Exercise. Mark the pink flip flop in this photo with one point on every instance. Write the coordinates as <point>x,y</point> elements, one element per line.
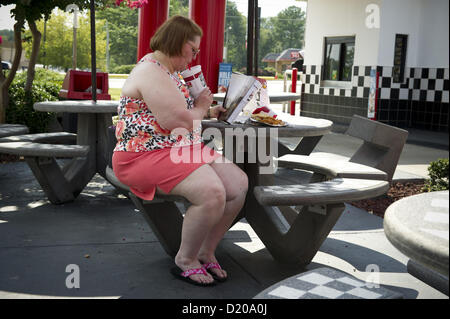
<point>185,275</point>
<point>209,266</point>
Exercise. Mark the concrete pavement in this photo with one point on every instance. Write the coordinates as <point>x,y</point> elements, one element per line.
<point>102,236</point>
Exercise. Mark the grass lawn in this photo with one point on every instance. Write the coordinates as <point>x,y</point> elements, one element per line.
<point>115,94</point>
<point>118,76</point>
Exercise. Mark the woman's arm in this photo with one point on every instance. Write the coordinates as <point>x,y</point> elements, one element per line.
<point>165,101</point>
<point>215,111</point>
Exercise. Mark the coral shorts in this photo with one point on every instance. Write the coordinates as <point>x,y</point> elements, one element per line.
<point>163,168</point>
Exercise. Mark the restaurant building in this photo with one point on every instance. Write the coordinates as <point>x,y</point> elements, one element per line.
<point>384,59</point>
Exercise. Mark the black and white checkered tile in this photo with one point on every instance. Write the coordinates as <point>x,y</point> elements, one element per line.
<point>334,185</point>
<point>360,82</point>
<point>420,84</point>
<point>326,283</point>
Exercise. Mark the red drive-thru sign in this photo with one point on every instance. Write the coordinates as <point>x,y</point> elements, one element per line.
<point>295,55</point>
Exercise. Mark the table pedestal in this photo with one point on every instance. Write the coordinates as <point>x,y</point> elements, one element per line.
<point>295,243</point>
<point>92,131</point>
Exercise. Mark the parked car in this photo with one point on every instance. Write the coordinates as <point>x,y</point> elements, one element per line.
<point>6,65</point>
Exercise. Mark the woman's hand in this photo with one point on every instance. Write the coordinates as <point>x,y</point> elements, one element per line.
<point>204,100</point>
<point>215,111</point>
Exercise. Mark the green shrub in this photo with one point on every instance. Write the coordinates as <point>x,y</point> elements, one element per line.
<point>46,86</point>
<point>43,75</point>
<point>270,70</point>
<point>122,69</point>
<point>438,173</point>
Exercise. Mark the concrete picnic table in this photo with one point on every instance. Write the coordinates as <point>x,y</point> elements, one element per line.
<point>307,131</point>
<point>93,120</point>
<point>322,202</point>
<point>300,135</point>
<point>418,226</point>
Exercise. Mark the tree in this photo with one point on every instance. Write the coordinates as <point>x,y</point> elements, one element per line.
<point>122,26</point>
<point>29,11</point>
<point>235,36</point>
<point>286,30</point>
<point>180,7</point>
<point>32,11</point>
<point>8,35</point>
<point>289,28</point>
<point>59,38</point>
<point>268,43</point>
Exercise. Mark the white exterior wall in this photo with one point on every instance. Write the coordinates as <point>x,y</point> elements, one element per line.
<point>399,16</point>
<point>426,24</point>
<point>327,18</point>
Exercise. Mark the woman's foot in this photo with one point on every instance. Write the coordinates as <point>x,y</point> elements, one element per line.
<point>214,267</point>
<point>186,264</point>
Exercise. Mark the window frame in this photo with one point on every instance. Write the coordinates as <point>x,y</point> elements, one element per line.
<point>342,41</point>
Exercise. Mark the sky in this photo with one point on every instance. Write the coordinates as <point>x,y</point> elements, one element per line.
<point>269,8</point>
<point>5,18</point>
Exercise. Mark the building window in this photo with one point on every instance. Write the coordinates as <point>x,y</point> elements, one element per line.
<point>338,58</point>
<point>398,72</point>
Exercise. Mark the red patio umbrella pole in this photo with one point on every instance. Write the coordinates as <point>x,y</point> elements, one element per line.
<point>151,16</point>
<point>210,16</point>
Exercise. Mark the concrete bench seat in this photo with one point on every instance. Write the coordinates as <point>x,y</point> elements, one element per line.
<point>293,235</point>
<point>381,150</point>
<point>62,183</point>
<point>164,214</point>
<point>338,190</point>
<point>31,149</point>
<point>12,129</point>
<point>112,178</point>
<point>52,138</point>
<point>329,167</point>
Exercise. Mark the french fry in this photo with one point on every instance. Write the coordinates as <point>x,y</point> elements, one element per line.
<point>268,120</point>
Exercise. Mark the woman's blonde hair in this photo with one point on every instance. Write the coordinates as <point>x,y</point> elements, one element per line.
<point>173,34</point>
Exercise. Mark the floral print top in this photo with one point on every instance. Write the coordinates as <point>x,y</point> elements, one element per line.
<point>137,129</point>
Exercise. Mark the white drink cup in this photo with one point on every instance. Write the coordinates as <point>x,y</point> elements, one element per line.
<point>195,80</point>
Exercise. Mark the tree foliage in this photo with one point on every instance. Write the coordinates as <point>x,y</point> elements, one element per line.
<point>180,7</point>
<point>288,28</point>
<point>235,35</point>
<point>30,11</point>
<point>123,31</point>
<point>284,31</point>
<point>438,172</point>
<point>57,48</point>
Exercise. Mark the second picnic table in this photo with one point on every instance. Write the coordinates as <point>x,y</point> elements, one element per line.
<point>93,120</point>
<point>418,227</point>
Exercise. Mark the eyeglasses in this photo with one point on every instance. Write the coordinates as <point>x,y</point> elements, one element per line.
<point>195,51</point>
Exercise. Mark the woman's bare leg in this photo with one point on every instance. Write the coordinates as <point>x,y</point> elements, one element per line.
<point>204,189</point>
<point>235,183</point>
